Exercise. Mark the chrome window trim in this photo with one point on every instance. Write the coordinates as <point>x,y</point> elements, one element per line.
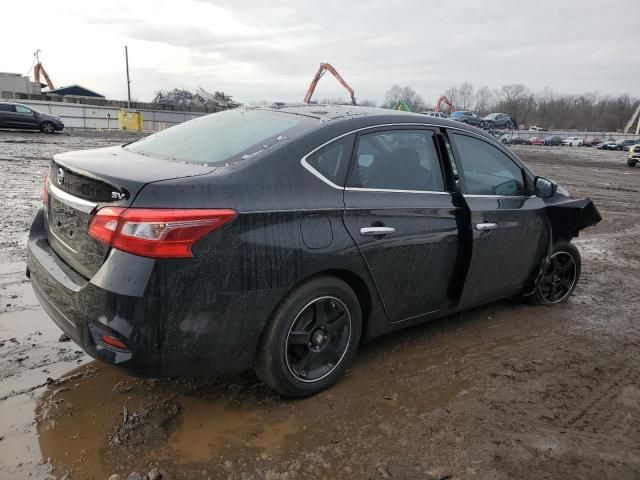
<point>472,195</point>
<point>391,190</point>
<point>78,203</point>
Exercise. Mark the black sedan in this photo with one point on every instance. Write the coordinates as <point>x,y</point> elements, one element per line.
<point>554,140</point>
<point>16,115</point>
<point>280,239</point>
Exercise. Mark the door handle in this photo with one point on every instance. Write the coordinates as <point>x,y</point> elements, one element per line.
<point>376,231</point>
<point>486,226</point>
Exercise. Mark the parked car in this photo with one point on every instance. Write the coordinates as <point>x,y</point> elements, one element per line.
<point>435,114</point>
<point>533,128</point>
<point>275,240</point>
<point>16,115</point>
<point>535,141</point>
<point>626,146</point>
<point>469,118</point>
<point>634,156</point>
<point>591,141</point>
<point>500,120</point>
<point>553,140</point>
<point>517,140</point>
<point>620,144</point>
<point>573,141</point>
<point>605,145</point>
<point>510,139</point>
<point>633,149</point>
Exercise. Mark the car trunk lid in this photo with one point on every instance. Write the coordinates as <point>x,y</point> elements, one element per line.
<point>84,181</point>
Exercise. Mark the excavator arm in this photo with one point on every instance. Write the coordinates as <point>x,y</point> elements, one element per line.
<point>38,68</point>
<point>324,67</point>
<point>36,73</point>
<point>445,99</point>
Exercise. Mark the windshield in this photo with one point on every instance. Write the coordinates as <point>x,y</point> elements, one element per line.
<point>214,139</point>
<point>493,115</point>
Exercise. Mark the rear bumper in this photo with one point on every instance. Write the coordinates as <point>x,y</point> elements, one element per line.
<point>168,313</point>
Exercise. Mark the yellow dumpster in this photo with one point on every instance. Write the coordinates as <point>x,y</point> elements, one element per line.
<point>130,120</point>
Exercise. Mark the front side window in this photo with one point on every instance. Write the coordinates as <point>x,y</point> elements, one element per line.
<point>487,170</point>
<point>397,160</point>
<point>332,161</point>
<point>21,109</point>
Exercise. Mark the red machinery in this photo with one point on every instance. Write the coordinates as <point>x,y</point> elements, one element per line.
<point>321,71</point>
<point>39,68</point>
<point>444,99</point>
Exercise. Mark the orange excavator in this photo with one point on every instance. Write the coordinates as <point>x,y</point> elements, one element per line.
<point>445,99</point>
<point>324,67</point>
<point>38,69</point>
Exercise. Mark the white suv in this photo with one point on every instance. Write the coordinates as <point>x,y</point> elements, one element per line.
<point>573,141</point>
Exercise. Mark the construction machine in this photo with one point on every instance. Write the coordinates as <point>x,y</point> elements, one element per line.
<point>38,69</point>
<point>324,67</point>
<point>632,120</point>
<point>446,100</point>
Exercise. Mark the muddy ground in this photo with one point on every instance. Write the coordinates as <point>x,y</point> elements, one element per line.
<point>503,391</point>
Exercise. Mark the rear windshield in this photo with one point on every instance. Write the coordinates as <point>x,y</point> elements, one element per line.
<point>215,139</point>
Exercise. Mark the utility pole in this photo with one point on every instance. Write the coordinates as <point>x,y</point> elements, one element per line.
<point>126,56</point>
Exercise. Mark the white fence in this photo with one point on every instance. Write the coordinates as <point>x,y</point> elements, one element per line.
<point>94,117</point>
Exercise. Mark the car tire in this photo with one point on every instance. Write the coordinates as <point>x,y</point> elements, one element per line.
<point>310,338</point>
<point>560,277</point>
<point>509,126</point>
<point>47,127</point>
<point>631,162</point>
<point>482,124</point>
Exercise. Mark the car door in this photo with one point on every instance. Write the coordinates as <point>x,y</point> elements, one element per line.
<point>404,221</point>
<point>8,115</point>
<point>510,231</point>
<point>25,117</point>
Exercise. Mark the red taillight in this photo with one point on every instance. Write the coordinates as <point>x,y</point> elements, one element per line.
<point>45,190</point>
<point>114,342</point>
<point>156,233</point>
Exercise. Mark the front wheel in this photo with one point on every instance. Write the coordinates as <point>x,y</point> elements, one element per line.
<point>631,162</point>
<point>47,127</point>
<point>311,338</point>
<point>560,276</point>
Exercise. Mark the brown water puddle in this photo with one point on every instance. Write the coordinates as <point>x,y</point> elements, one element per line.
<point>221,423</point>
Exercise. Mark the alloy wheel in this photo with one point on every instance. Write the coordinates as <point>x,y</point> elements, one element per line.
<point>318,339</point>
<point>559,278</point>
<point>48,127</point>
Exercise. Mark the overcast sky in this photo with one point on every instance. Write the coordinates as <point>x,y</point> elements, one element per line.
<point>270,49</point>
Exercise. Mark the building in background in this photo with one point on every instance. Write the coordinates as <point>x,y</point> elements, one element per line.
<point>18,83</point>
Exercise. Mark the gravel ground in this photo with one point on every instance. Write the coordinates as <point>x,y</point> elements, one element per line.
<point>502,391</point>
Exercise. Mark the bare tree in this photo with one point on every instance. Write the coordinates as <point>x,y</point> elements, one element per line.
<point>483,100</point>
<point>367,103</point>
<point>397,94</point>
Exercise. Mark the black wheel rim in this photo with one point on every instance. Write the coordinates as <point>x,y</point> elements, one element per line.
<point>559,277</point>
<point>318,339</point>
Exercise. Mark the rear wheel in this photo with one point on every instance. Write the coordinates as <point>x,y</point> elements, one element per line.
<point>560,277</point>
<point>310,338</point>
<point>47,127</point>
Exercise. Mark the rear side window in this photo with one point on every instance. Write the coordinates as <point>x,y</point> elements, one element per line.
<point>219,137</point>
<point>397,160</point>
<point>332,161</point>
<point>7,108</point>
<point>487,170</point>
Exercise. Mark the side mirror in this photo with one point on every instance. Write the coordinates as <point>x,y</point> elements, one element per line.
<point>544,187</point>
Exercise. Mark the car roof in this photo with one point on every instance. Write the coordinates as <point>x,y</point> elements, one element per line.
<point>368,116</point>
